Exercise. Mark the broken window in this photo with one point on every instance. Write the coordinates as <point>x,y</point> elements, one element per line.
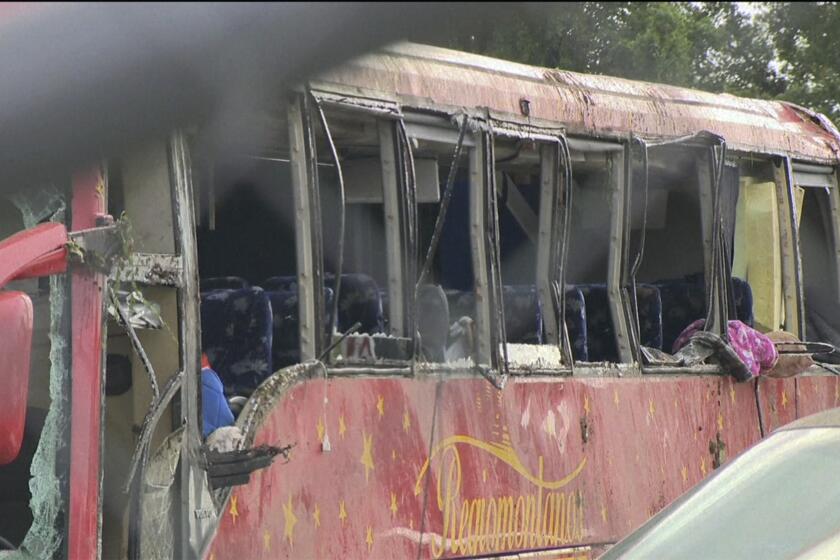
<point>531,205</point>
<point>816,197</point>
<point>672,223</point>
<point>367,182</point>
<point>593,305</point>
<point>446,301</point>
<point>247,263</point>
<point>143,337</point>
<point>33,489</point>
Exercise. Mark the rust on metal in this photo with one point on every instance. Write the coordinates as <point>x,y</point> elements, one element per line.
<point>431,77</point>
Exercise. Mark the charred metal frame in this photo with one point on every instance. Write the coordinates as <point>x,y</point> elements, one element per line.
<point>549,193</point>
<point>478,165</point>
<point>621,280</point>
<point>153,269</point>
<point>493,247</point>
<point>718,319</point>
<point>399,203</point>
<point>406,202</point>
<point>627,290</point>
<point>342,220</point>
<point>193,478</point>
<point>393,232</point>
<point>307,236</point>
<point>834,202</point>
<point>631,267</point>
<point>792,288</point>
<point>619,232</point>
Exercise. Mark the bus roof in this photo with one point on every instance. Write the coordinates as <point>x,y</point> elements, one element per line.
<point>433,78</point>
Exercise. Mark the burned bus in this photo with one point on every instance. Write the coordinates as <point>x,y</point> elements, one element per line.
<point>442,295</point>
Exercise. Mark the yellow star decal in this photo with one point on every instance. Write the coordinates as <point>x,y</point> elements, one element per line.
<point>367,454</point>
<point>732,392</point>
<point>651,407</point>
<point>684,473</point>
<point>380,406</point>
<point>784,399</point>
<point>586,403</point>
<point>234,510</point>
<point>393,504</point>
<point>342,511</point>
<point>291,520</point>
<point>316,516</point>
<point>720,421</point>
<point>369,538</point>
<point>615,397</point>
<point>321,429</point>
<point>266,540</point>
<point>703,466</point>
<point>406,421</point>
<point>342,427</point>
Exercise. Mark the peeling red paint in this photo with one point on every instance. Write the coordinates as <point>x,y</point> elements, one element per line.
<point>370,495</point>
<point>86,397</point>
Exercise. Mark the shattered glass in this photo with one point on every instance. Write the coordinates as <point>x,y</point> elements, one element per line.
<point>159,499</point>
<point>45,536</point>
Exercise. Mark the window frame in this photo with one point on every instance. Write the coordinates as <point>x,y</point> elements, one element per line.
<point>710,152</point>
<point>831,185</point>
<point>792,286</point>
<point>399,213</point>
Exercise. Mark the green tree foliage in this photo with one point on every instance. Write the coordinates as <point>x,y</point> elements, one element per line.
<point>711,46</point>
<point>807,41</point>
<point>779,50</point>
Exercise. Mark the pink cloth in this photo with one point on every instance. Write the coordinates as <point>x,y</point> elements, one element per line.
<point>756,350</point>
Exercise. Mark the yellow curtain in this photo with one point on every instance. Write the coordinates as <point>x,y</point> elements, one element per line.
<point>757,257</point>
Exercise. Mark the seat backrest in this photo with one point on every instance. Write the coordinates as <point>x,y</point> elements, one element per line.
<point>575,316</point>
<point>600,332</point>
<point>600,341</point>
<point>684,301</point>
<point>280,284</point>
<point>223,283</point>
<point>523,315</point>
<point>236,335</point>
<point>359,301</point>
<point>649,302</point>
<point>742,294</point>
<point>285,348</point>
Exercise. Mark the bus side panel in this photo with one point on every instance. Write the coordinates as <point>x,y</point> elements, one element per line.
<point>547,463</point>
